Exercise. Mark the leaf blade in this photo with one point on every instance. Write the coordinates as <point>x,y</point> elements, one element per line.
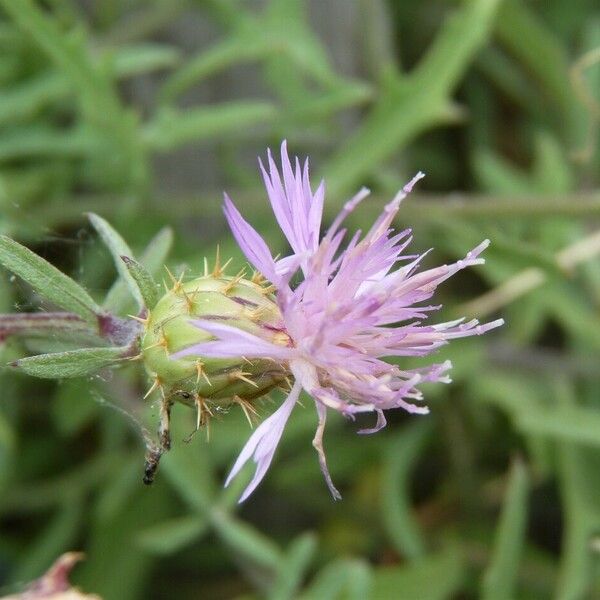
<point>72,363</point>
<point>47,280</point>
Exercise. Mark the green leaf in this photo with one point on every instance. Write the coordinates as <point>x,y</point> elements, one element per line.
<point>57,537</point>
<point>153,258</point>
<point>118,248</point>
<point>235,50</point>
<point>436,577</point>
<point>47,280</point>
<point>69,412</point>
<point>352,577</point>
<point>73,363</point>
<point>395,497</point>
<point>171,128</point>
<point>500,577</point>
<point>410,105</point>
<point>570,424</point>
<point>246,541</point>
<point>292,567</point>
<point>145,282</point>
<point>171,536</point>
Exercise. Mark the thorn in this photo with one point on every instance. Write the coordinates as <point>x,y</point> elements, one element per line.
<point>189,299</point>
<point>136,357</point>
<point>205,267</point>
<point>243,377</point>
<point>216,272</point>
<point>157,384</point>
<point>201,372</point>
<point>257,278</point>
<point>247,408</point>
<point>203,415</point>
<point>162,343</point>
<point>140,319</point>
<point>257,313</point>
<point>233,282</point>
<point>219,269</point>
<point>176,282</point>
<point>268,290</point>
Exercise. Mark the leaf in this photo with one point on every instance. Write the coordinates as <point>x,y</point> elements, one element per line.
<point>235,50</point>
<point>436,577</point>
<point>396,512</point>
<point>58,535</point>
<point>246,541</point>
<point>292,568</point>
<point>345,575</point>
<point>172,128</point>
<point>48,281</point>
<point>153,258</point>
<point>145,282</point>
<point>73,363</point>
<point>171,536</point>
<point>500,577</point>
<point>410,105</point>
<point>70,413</point>
<point>118,248</point>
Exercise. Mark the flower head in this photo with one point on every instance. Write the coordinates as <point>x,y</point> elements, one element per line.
<point>353,307</point>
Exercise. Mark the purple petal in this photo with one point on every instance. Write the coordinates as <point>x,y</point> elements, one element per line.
<point>233,342</point>
<point>318,446</point>
<point>381,423</point>
<point>250,242</point>
<point>263,442</point>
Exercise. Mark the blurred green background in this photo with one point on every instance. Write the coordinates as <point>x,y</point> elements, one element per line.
<point>144,111</point>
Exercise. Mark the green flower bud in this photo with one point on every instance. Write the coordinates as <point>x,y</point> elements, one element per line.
<point>236,301</point>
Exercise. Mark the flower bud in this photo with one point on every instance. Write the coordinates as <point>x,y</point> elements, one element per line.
<point>170,328</point>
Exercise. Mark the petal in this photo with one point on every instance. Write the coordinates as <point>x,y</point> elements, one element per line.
<point>381,423</point>
<point>250,242</point>
<point>233,342</point>
<point>318,446</point>
<point>298,211</point>
<point>263,442</point>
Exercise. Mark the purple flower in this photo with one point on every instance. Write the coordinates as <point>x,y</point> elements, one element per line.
<point>353,307</point>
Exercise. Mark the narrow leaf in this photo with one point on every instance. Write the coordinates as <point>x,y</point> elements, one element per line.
<point>152,258</point>
<point>500,578</point>
<point>435,577</point>
<point>145,282</point>
<point>245,541</point>
<point>47,280</point>
<point>118,248</point>
<point>293,567</point>
<point>351,577</point>
<point>73,363</point>
<point>397,513</point>
<point>171,128</point>
<point>171,536</point>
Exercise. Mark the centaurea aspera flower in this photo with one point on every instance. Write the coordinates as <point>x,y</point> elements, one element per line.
<point>351,309</point>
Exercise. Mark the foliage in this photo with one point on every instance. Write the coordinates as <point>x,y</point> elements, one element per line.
<point>493,495</point>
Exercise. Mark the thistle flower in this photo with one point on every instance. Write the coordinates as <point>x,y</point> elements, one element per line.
<point>352,308</point>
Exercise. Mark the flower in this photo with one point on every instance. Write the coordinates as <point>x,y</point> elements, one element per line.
<point>351,309</point>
